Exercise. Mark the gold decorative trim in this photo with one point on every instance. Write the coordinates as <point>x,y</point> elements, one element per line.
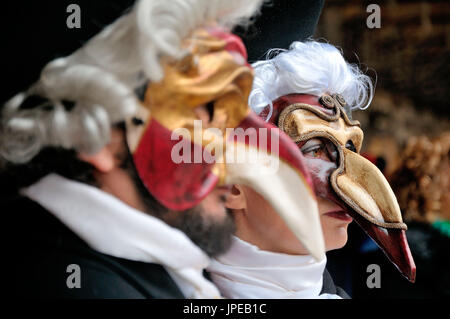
<point>308,107</point>
<point>327,101</point>
<point>340,99</point>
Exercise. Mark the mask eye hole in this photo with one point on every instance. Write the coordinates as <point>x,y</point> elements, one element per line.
<point>350,146</point>
<point>318,148</point>
<point>313,148</point>
<point>205,112</point>
<point>210,109</point>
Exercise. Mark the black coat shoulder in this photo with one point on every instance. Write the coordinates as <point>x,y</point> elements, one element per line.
<point>330,288</point>
<point>43,252</point>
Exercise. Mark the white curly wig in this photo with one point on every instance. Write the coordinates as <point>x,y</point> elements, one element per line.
<point>309,67</point>
<point>79,97</point>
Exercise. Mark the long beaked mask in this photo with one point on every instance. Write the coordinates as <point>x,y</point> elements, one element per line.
<point>347,178</point>
<point>215,75</point>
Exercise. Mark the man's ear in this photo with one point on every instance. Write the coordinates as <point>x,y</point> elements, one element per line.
<point>107,158</point>
<point>103,160</point>
<point>236,199</point>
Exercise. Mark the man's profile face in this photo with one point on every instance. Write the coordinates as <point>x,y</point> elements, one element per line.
<point>209,224</point>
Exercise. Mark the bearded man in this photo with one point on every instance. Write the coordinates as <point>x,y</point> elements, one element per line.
<point>103,207</point>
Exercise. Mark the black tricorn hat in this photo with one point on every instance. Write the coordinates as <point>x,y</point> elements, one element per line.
<point>280,23</point>
<point>36,32</point>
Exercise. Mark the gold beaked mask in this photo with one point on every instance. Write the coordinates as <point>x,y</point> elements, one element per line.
<point>347,178</point>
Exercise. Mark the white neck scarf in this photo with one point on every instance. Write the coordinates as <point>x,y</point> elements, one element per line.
<point>111,227</point>
<point>245,271</point>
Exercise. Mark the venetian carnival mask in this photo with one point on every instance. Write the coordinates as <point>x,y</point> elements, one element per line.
<point>344,176</point>
<point>180,159</point>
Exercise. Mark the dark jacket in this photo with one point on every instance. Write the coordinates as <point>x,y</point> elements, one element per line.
<point>330,288</point>
<point>44,248</point>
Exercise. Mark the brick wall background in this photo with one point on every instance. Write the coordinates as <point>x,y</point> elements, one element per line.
<point>410,57</point>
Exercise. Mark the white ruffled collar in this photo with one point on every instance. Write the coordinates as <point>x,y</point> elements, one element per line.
<point>245,271</point>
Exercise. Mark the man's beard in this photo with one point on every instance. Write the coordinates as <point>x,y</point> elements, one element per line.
<point>213,236</point>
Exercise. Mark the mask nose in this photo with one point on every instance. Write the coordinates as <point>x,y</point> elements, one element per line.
<point>362,186</point>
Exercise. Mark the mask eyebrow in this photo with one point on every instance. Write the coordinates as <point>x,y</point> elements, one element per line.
<point>309,144</point>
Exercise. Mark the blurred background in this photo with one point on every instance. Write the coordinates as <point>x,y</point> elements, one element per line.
<point>407,135</point>
<point>407,127</point>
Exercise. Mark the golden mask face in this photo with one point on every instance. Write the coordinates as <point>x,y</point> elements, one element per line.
<point>332,141</point>
<point>357,181</point>
<point>210,74</point>
<point>212,78</point>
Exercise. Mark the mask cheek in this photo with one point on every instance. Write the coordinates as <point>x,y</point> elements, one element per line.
<point>177,183</point>
<point>320,171</point>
